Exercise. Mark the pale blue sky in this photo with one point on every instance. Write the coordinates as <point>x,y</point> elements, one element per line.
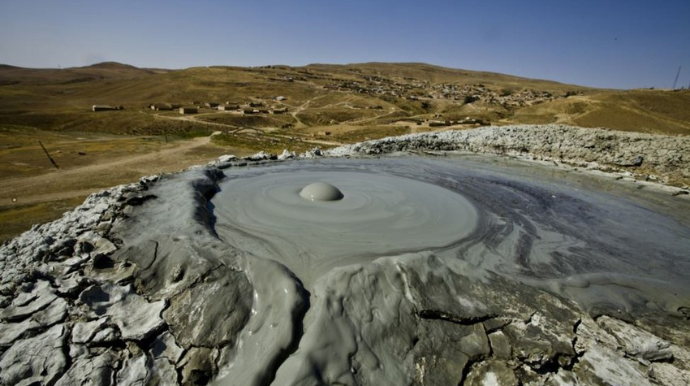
<point>602,43</point>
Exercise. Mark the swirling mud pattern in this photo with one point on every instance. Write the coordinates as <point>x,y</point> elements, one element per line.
<point>601,249</point>
<point>392,242</point>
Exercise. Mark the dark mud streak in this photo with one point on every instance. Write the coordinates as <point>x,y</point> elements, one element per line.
<point>450,317</point>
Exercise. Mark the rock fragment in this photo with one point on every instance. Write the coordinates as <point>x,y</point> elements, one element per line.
<point>91,371</point>
<point>491,372</point>
<point>10,332</point>
<point>136,371</point>
<point>165,347</point>
<point>198,366</point>
<point>602,366</point>
<point>637,343</point>
<point>500,345</point>
<point>193,318</point>
<point>56,312</point>
<point>164,372</point>
<point>39,296</point>
<point>83,332</point>
<point>41,357</point>
<point>136,318</point>
<point>105,336</point>
<point>95,245</point>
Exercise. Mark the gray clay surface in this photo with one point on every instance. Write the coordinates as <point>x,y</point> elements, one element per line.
<point>428,270</point>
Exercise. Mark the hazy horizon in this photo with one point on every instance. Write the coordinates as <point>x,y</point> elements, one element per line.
<point>624,45</point>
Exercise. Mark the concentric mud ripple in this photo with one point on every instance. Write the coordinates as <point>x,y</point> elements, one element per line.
<point>601,250</point>
<point>379,214</point>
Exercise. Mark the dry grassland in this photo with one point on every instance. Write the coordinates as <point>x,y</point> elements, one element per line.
<point>327,105</point>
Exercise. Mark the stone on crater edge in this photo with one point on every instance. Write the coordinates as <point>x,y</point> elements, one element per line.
<point>135,372</point>
<point>198,366</point>
<point>132,313</point>
<point>41,355</point>
<point>95,245</point>
<point>90,371</point>
<point>41,295</point>
<point>194,314</point>
<point>107,335</point>
<point>491,372</point>
<point>55,313</point>
<point>635,342</point>
<point>83,332</point>
<point>10,332</point>
<point>165,347</point>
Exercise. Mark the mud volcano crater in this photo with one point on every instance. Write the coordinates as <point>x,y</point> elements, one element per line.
<point>275,215</point>
<point>500,219</point>
<point>394,270</point>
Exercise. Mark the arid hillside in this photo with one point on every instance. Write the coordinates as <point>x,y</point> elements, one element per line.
<point>139,129</point>
<point>351,98</point>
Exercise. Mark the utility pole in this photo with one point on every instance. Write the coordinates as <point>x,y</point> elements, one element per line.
<point>675,82</point>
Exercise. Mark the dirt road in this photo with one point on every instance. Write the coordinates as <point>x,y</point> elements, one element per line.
<point>81,181</point>
<point>28,200</point>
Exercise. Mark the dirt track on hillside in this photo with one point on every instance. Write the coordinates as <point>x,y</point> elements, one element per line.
<point>81,181</point>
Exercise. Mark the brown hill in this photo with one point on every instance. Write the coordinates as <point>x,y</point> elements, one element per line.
<point>320,95</point>
<point>437,74</point>
<point>650,111</point>
<point>269,108</point>
<point>10,75</point>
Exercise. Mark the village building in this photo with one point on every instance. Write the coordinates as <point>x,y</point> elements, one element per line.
<point>105,108</point>
<point>162,107</point>
<point>188,110</point>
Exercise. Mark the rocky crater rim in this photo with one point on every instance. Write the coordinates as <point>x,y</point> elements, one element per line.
<point>649,157</point>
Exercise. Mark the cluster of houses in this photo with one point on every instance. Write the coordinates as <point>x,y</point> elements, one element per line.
<point>374,85</point>
<point>172,107</point>
<point>465,121</point>
<point>415,90</point>
<point>479,92</point>
<point>248,108</point>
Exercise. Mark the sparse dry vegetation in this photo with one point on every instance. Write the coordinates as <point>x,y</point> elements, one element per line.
<point>326,105</point>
